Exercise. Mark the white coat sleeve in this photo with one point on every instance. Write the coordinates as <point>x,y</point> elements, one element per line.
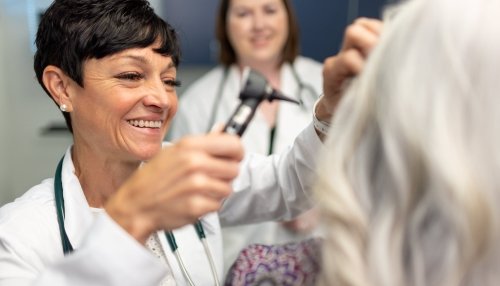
<point>276,187</point>
<point>107,256</point>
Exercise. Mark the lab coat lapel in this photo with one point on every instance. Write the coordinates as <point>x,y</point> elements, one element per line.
<point>290,115</point>
<point>78,217</point>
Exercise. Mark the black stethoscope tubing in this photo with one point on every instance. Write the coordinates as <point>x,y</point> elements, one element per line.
<point>60,211</point>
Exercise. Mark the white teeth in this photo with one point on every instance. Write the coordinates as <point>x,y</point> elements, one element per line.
<point>145,123</point>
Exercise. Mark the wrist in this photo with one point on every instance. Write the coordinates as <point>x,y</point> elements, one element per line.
<point>321,125</point>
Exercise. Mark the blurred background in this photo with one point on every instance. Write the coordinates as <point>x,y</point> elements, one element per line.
<point>32,133</point>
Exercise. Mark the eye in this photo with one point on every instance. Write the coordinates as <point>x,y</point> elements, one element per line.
<point>172,82</point>
<point>241,12</point>
<point>271,10</point>
<point>132,76</point>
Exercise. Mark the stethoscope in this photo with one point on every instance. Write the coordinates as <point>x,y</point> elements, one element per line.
<point>255,90</point>
<point>68,248</point>
<point>303,88</point>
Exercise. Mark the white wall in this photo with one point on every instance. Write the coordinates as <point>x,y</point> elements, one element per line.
<point>28,157</point>
<point>157,5</point>
<point>3,108</point>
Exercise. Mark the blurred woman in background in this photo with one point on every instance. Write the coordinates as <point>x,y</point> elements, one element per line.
<point>262,35</point>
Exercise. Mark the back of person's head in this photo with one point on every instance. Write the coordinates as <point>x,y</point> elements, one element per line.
<point>72,31</point>
<point>409,182</point>
<point>227,54</point>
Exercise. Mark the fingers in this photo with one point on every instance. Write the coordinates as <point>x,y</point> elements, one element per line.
<point>337,68</point>
<point>359,40</point>
<point>217,128</point>
<point>216,155</point>
<point>337,72</point>
<point>216,144</point>
<point>183,201</point>
<point>374,25</point>
<point>362,35</point>
<point>185,181</point>
<point>201,185</point>
<point>188,200</point>
<point>199,162</point>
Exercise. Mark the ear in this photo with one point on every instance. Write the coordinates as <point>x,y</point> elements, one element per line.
<point>57,83</point>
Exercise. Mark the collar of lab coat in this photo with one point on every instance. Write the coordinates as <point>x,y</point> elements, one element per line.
<point>78,216</point>
<point>290,85</point>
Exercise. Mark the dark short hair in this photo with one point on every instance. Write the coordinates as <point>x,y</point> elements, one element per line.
<point>72,31</point>
<point>227,54</point>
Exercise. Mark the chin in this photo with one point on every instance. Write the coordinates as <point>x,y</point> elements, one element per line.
<point>264,58</point>
<point>146,154</point>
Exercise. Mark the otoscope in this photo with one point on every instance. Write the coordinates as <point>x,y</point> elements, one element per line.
<point>255,90</point>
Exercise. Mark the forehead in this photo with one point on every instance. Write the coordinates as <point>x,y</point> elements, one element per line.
<point>147,55</point>
<point>144,59</point>
<point>254,3</point>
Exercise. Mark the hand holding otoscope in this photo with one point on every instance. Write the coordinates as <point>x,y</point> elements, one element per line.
<point>255,90</point>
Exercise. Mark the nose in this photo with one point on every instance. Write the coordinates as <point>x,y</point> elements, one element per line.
<point>158,97</point>
<point>258,21</point>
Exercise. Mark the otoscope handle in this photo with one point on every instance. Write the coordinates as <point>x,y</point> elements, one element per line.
<point>255,90</point>
<point>243,114</point>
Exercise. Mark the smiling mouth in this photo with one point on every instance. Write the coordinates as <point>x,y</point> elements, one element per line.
<point>145,123</point>
<point>258,39</point>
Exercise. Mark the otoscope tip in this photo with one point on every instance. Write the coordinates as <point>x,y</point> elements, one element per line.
<point>278,96</point>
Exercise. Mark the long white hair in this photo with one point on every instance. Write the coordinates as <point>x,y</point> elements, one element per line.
<point>409,185</point>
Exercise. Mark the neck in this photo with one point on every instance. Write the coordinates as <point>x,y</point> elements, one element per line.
<point>271,71</point>
<point>99,175</point>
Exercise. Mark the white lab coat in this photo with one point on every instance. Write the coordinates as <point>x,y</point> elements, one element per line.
<point>197,106</point>
<point>30,245</point>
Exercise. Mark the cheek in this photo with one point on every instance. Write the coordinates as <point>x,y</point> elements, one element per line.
<point>239,43</point>
<point>174,105</point>
<point>284,38</point>
<point>172,111</point>
<point>236,30</point>
<point>282,25</point>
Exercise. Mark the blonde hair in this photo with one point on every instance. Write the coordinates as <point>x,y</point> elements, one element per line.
<point>409,183</point>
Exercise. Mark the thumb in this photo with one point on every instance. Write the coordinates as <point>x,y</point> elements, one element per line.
<point>217,128</point>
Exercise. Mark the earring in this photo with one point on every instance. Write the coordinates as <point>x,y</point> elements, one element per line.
<point>63,107</point>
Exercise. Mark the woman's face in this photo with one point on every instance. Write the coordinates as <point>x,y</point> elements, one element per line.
<point>126,104</point>
<point>257,30</point>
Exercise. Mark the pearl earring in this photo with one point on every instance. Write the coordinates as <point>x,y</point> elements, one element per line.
<point>63,107</point>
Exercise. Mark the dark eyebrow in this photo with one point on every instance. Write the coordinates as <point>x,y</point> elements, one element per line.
<point>170,65</point>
